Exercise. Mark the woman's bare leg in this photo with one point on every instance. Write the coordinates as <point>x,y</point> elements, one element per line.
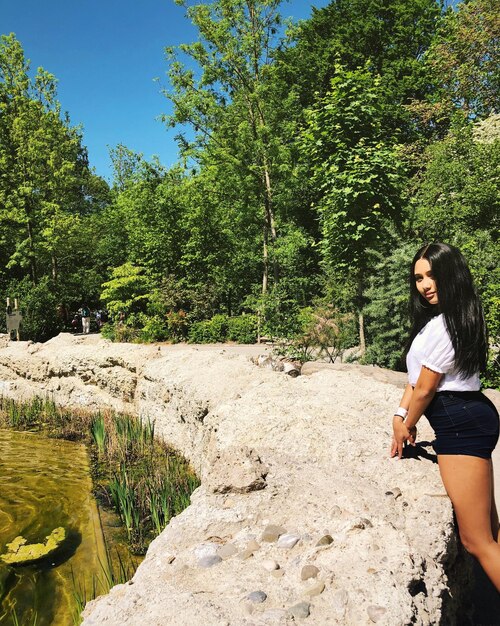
<point>468,482</point>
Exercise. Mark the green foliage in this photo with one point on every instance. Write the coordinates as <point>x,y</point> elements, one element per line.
<point>458,191</point>
<point>464,57</point>
<point>209,331</point>
<point>242,329</point>
<point>177,325</point>
<point>388,37</point>
<point>324,334</point>
<point>154,329</point>
<point>387,313</point>
<point>39,305</point>
<point>127,291</point>
<point>46,185</point>
<point>357,172</point>
<point>221,328</point>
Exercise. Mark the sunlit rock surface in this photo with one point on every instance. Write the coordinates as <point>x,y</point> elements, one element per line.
<point>295,474</point>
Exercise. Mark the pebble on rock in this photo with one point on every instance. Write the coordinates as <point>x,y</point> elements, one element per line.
<point>278,573</point>
<point>288,541</point>
<point>227,551</point>
<point>209,561</point>
<point>326,540</point>
<point>316,590</point>
<point>257,597</point>
<point>245,554</point>
<point>253,545</point>
<point>375,613</point>
<point>309,571</point>
<point>300,610</point>
<point>272,532</point>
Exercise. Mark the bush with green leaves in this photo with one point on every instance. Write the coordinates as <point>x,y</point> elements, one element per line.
<point>154,329</point>
<point>242,329</point>
<point>127,291</point>
<point>325,332</point>
<point>177,325</point>
<point>209,331</point>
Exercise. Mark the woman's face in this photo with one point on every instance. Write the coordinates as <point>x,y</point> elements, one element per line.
<point>424,281</point>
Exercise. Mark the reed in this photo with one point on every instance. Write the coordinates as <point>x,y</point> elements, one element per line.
<point>123,500</point>
<point>98,430</point>
<point>33,621</point>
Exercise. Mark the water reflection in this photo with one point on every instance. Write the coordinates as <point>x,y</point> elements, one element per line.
<point>45,483</point>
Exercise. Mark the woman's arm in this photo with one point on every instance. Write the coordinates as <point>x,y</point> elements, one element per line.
<point>418,400</point>
<point>424,391</point>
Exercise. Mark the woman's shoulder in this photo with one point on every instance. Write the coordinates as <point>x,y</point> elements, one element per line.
<point>436,323</point>
<point>436,326</point>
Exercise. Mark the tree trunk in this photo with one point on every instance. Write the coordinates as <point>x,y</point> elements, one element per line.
<point>362,339</point>
<point>271,225</point>
<point>33,272</point>
<point>54,268</point>
<point>265,258</point>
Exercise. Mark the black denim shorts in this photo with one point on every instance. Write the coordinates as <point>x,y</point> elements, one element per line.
<point>464,422</point>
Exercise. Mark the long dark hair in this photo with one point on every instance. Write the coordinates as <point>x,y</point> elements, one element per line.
<point>458,302</point>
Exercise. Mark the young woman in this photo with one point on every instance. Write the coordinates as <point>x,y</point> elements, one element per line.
<point>447,351</point>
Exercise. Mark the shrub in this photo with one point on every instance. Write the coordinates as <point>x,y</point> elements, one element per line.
<point>177,325</point>
<point>325,334</point>
<point>154,329</point>
<point>209,331</point>
<point>242,329</point>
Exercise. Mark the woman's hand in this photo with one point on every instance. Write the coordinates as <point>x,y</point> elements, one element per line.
<point>401,434</point>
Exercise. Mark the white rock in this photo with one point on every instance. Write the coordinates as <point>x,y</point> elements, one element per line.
<point>288,540</point>
<point>270,565</point>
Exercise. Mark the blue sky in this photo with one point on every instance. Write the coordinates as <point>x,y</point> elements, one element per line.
<point>105,55</point>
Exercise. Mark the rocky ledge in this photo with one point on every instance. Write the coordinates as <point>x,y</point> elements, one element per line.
<point>301,514</point>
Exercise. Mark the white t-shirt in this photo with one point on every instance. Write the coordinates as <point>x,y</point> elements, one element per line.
<point>432,347</point>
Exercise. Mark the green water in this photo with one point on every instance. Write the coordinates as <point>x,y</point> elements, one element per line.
<point>45,483</point>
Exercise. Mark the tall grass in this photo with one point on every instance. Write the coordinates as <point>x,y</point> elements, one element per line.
<point>15,620</point>
<point>98,430</point>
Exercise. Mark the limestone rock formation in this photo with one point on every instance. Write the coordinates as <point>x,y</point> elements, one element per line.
<point>296,481</point>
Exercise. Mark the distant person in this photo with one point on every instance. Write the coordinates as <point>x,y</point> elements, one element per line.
<point>448,349</point>
<point>75,323</point>
<point>85,319</point>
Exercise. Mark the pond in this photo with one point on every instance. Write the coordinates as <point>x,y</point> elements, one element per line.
<point>45,484</point>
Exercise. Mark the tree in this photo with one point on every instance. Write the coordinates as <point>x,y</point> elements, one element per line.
<point>44,168</point>
<point>357,173</point>
<point>388,37</point>
<point>226,100</point>
<point>464,57</point>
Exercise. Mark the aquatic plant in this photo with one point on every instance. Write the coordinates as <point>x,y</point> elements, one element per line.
<point>123,499</point>
<point>15,620</point>
<point>98,430</point>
